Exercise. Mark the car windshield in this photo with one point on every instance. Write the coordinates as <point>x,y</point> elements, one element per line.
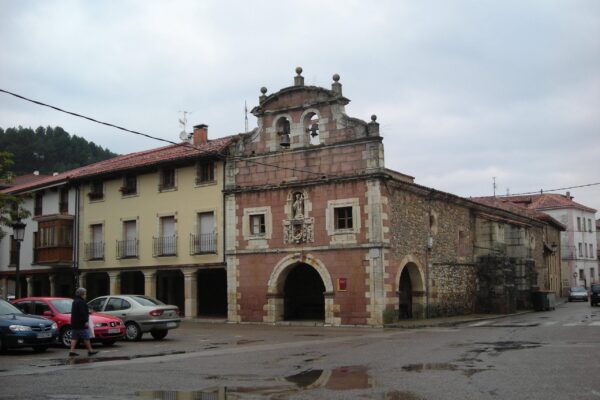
<point>577,289</point>
<point>7,308</point>
<point>63,306</point>
<point>147,301</point>
<point>596,288</point>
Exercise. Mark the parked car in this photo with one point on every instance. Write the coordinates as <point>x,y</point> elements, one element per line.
<point>578,294</point>
<point>21,330</point>
<point>595,294</point>
<point>141,314</point>
<point>107,328</point>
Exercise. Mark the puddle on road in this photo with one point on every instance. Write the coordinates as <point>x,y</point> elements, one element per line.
<point>468,370</point>
<point>337,379</point>
<point>509,345</point>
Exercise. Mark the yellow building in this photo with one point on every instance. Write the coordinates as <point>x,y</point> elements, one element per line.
<point>151,223</point>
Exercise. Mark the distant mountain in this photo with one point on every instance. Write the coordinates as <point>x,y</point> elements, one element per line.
<point>48,150</point>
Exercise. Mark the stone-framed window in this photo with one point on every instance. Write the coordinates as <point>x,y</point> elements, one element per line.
<point>167,179</point>
<point>343,219</point>
<point>257,223</point>
<point>205,172</point>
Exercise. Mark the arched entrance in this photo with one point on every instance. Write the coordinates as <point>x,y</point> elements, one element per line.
<point>303,294</point>
<point>411,291</point>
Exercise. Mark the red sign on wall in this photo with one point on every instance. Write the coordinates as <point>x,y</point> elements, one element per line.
<point>342,284</point>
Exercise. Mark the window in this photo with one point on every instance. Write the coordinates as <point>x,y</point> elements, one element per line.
<point>205,240</point>
<point>581,274</point>
<point>580,250</point>
<point>38,204</point>
<point>116,304</point>
<point>63,204</point>
<point>129,185</point>
<point>589,225</point>
<point>40,307</point>
<point>579,224</point>
<point>96,190</point>
<point>95,249</point>
<point>586,250</point>
<point>25,306</point>
<point>592,273</point>
<point>205,172</point>
<point>591,251</point>
<point>167,179</point>
<point>97,304</point>
<point>128,247</point>
<point>166,243</point>
<point>14,254</point>
<point>257,225</point>
<point>343,218</point>
<point>462,243</point>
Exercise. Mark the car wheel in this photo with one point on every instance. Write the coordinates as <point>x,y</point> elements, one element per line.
<point>108,342</point>
<point>133,331</point>
<point>40,349</point>
<point>65,336</point>
<point>159,335</point>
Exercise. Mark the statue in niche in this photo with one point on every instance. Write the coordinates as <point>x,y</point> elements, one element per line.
<point>298,206</point>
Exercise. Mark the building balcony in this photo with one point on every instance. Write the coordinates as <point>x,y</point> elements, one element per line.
<point>94,251</point>
<point>203,243</point>
<point>127,248</point>
<point>164,246</point>
<point>54,254</point>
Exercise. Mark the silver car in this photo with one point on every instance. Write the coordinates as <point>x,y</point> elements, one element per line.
<point>141,314</point>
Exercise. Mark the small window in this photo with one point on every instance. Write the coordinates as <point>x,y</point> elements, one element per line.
<point>580,250</point>
<point>589,225</point>
<point>167,179</point>
<point>592,273</point>
<point>129,185</point>
<point>343,218</point>
<point>205,172</point>
<point>64,201</point>
<point>96,190</point>
<point>591,251</point>
<point>38,203</point>
<point>257,225</point>
<point>97,304</point>
<point>579,224</point>
<point>581,274</point>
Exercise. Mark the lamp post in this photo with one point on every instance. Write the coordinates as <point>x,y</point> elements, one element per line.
<point>18,234</point>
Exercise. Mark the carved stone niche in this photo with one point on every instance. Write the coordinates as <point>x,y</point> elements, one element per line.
<point>298,226</point>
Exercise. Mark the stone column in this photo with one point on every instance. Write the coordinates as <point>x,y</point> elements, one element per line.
<point>191,292</point>
<point>4,288</point>
<point>29,280</point>
<point>115,282</point>
<point>52,280</point>
<point>150,282</point>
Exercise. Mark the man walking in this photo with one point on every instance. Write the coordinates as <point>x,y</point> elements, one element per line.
<point>80,329</point>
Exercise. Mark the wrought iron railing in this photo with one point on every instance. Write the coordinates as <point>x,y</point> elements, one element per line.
<point>127,248</point>
<point>94,251</point>
<point>203,243</point>
<point>164,246</point>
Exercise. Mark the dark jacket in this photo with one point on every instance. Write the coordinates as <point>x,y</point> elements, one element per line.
<point>80,314</point>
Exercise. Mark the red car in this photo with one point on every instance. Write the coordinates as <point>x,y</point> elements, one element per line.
<point>107,329</point>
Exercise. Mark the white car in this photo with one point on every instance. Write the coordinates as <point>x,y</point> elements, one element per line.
<point>578,294</point>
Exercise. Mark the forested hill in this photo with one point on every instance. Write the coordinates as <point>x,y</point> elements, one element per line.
<point>48,150</point>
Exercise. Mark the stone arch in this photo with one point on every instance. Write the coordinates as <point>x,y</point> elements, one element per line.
<point>418,288</point>
<point>275,287</point>
<point>305,120</point>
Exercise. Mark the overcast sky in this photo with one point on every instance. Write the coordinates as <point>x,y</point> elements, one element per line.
<point>464,90</point>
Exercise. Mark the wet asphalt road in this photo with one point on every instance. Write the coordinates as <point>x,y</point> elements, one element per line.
<point>548,355</point>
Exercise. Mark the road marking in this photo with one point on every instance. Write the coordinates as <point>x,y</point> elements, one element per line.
<point>481,323</point>
<point>550,323</point>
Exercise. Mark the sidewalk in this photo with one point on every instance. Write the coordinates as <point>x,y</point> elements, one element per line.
<point>450,321</point>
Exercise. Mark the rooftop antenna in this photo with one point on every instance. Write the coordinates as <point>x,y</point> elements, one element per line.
<point>183,135</point>
<point>494,185</point>
<point>245,116</point>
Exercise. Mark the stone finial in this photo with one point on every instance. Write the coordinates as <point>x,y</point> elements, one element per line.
<point>263,96</point>
<point>299,79</point>
<point>336,86</point>
<point>373,126</point>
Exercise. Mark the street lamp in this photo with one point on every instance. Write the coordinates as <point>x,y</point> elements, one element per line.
<point>18,234</point>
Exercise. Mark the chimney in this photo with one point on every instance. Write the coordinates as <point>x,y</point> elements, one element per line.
<point>569,195</point>
<point>200,135</point>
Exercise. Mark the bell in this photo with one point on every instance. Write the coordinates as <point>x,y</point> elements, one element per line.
<point>314,130</point>
<point>285,140</point>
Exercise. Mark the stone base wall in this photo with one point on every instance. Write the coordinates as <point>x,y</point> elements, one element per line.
<point>453,290</point>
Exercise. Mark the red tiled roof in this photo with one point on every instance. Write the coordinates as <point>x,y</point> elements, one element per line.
<point>547,201</point>
<point>130,161</point>
<point>517,208</point>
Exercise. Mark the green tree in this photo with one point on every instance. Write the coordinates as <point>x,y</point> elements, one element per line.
<point>10,209</point>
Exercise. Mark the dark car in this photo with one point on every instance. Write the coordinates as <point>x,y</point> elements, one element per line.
<point>595,294</point>
<point>578,294</point>
<point>23,330</point>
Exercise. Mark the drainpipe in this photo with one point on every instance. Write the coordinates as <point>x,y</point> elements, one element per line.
<point>427,250</point>
<point>76,239</point>
<point>223,216</point>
